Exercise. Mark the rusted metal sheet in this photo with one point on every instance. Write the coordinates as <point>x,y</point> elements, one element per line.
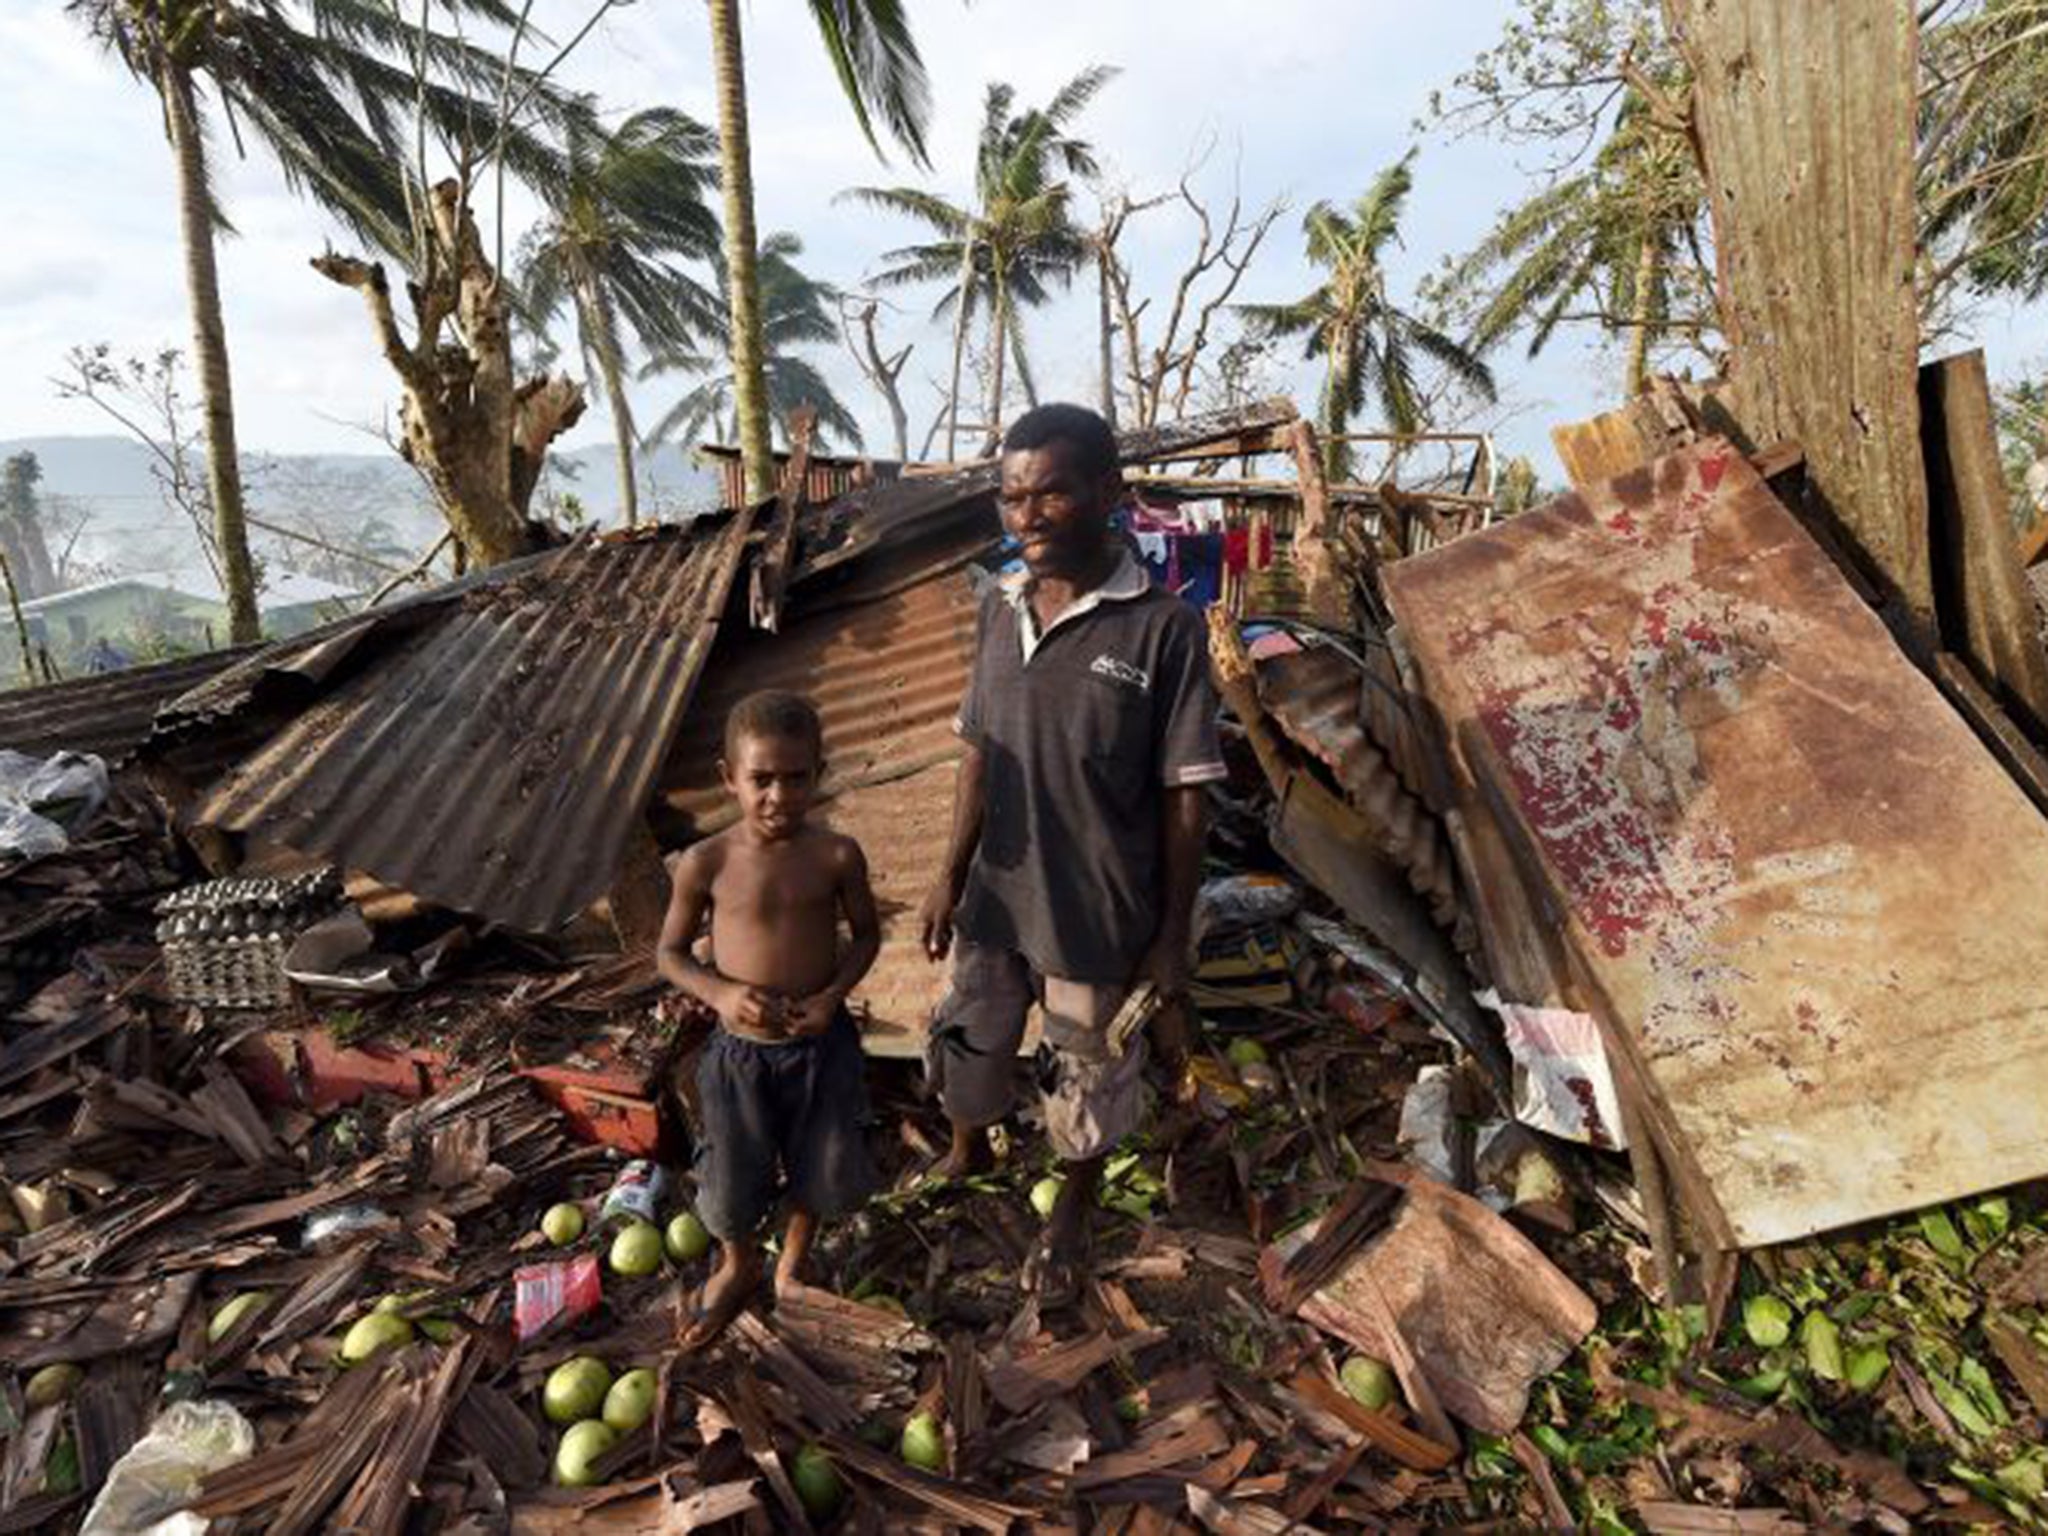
<point>497,761</point>
<point>110,714</point>
<point>903,826</point>
<point>1746,806</point>
<point>886,676</point>
<point>1805,116</point>
<point>1316,696</point>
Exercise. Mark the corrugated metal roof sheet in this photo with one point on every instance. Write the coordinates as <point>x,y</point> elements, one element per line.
<point>886,676</point>
<point>498,762</point>
<point>109,714</point>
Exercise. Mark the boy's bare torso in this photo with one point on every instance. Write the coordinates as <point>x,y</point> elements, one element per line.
<point>775,907</point>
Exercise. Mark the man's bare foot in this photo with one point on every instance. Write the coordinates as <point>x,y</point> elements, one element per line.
<point>1057,1271</point>
<point>726,1295</point>
<point>970,1154</point>
<point>796,1249</point>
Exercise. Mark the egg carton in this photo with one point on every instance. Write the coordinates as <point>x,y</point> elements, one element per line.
<point>225,941</point>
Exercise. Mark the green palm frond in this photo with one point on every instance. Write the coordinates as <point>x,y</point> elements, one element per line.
<point>876,59</point>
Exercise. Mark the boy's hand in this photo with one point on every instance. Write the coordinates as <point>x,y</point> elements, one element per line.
<point>814,1014</point>
<point>752,1010</point>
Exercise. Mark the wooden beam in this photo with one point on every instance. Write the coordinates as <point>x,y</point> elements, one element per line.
<point>1986,611</point>
<point>771,568</point>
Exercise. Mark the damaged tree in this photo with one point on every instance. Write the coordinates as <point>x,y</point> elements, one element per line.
<point>476,432</point>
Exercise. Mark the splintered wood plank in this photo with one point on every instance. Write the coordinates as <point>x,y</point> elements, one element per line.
<point>1751,812</point>
<point>1023,1383</point>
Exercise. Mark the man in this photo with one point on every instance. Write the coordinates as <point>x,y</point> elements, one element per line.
<point>1090,726</point>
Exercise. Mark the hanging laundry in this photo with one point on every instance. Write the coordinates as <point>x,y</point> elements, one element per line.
<point>1237,550</point>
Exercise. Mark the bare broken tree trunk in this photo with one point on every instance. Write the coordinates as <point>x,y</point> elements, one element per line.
<point>882,372</point>
<point>1105,333</point>
<point>210,355</point>
<point>479,436</point>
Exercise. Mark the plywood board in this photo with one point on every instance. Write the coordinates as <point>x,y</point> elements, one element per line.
<point>1803,891</point>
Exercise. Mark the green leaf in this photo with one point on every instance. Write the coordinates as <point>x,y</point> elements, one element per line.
<point>1767,1321</point>
<point>1867,1364</point>
<point>1962,1408</point>
<point>1552,1443</point>
<point>1941,1234</point>
<point>1975,1380</point>
<point>1823,1343</point>
<point>1765,1384</point>
<point>1988,1220</point>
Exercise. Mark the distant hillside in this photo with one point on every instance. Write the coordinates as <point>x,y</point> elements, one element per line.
<point>130,527</point>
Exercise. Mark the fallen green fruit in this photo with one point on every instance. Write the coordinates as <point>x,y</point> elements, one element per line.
<point>562,1224</point>
<point>60,1472</point>
<point>1244,1051</point>
<point>817,1483</point>
<point>1866,1365</point>
<point>687,1238</point>
<point>373,1333</point>
<point>1370,1382</point>
<point>1130,1408</point>
<point>231,1312</point>
<point>581,1445</point>
<point>923,1445</point>
<point>1767,1321</point>
<point>52,1384</point>
<point>630,1402</point>
<point>636,1250</point>
<point>1823,1342</point>
<point>575,1389</point>
<point>1045,1194</point>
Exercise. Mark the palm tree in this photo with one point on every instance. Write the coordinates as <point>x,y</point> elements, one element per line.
<point>1618,243</point>
<point>632,200</point>
<point>796,310</point>
<point>876,59</point>
<point>316,85</point>
<point>1015,241</point>
<point>1367,343</point>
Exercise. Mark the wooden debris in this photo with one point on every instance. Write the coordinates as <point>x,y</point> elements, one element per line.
<point>1361,1213</point>
<point>1241,1519</point>
<point>1189,1434</point>
<point>1381,1429</point>
<point>1023,1382</point>
<point>1665,1517</point>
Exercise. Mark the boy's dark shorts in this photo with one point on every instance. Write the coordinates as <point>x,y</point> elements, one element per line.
<point>789,1117</point>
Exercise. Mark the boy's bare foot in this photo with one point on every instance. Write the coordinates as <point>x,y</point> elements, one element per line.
<point>726,1295</point>
<point>970,1154</point>
<point>796,1249</point>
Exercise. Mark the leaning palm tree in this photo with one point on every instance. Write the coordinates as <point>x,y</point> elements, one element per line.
<point>876,59</point>
<point>796,310</point>
<point>321,85</point>
<point>1368,344</point>
<point>1620,242</point>
<point>1017,240</point>
<point>633,200</point>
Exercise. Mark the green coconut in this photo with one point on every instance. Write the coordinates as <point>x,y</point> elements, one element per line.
<point>52,1384</point>
<point>562,1224</point>
<point>582,1444</point>
<point>373,1333</point>
<point>575,1389</point>
<point>687,1238</point>
<point>923,1444</point>
<point>630,1402</point>
<point>1370,1382</point>
<point>817,1483</point>
<point>231,1312</point>
<point>636,1250</point>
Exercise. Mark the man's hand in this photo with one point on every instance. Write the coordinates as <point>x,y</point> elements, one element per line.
<point>935,917</point>
<point>814,1015</point>
<point>1165,965</point>
<point>752,1010</point>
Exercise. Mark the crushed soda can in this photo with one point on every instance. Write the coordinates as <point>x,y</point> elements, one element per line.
<point>563,1289</point>
<point>636,1194</point>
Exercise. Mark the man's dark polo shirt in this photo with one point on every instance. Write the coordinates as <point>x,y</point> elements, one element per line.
<point>1081,730</point>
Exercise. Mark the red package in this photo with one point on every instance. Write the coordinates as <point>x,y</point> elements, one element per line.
<point>541,1293</point>
<point>1364,1011</point>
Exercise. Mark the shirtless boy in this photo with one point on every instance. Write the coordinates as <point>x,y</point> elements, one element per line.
<point>781,1097</point>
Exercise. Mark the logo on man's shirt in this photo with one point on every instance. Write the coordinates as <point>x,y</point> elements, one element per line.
<point>1122,672</point>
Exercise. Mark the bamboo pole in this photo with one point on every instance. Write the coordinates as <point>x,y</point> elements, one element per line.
<point>28,659</point>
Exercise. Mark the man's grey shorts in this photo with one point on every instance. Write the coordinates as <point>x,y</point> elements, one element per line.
<point>1093,1099</point>
<point>789,1117</point>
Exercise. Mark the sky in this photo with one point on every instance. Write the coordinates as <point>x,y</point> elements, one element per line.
<point>1296,99</point>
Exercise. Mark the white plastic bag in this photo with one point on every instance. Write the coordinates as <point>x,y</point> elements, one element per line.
<point>164,1468</point>
<point>1561,1078</point>
<point>44,800</point>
